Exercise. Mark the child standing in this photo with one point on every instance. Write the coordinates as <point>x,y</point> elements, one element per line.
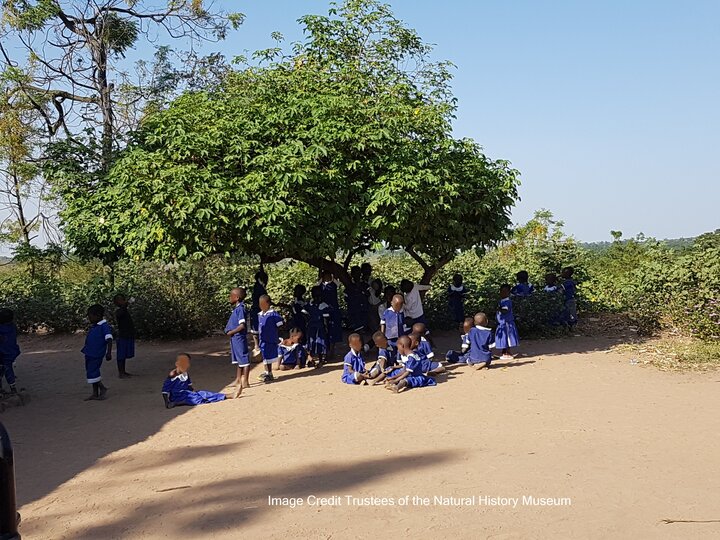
<point>329,286</point>
<point>357,301</point>
<point>98,345</point>
<point>569,289</point>
<point>456,299</point>
<point>259,289</point>
<point>392,322</point>
<point>375,300</point>
<point>318,313</point>
<point>550,283</point>
<point>354,364</point>
<point>236,330</point>
<point>292,353</point>
<point>413,301</point>
<point>178,389</point>
<point>523,287</point>
<point>9,349</point>
<point>126,335</point>
<point>298,305</point>
<point>454,357</point>
<point>506,335</point>
<point>269,321</point>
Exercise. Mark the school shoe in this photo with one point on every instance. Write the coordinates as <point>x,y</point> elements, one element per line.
<point>269,378</point>
<point>166,398</point>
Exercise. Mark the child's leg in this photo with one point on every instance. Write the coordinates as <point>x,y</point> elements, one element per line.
<point>399,387</point>
<point>238,375</point>
<point>8,372</point>
<point>437,370</point>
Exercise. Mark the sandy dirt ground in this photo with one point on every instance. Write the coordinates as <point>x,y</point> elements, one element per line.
<point>625,445</point>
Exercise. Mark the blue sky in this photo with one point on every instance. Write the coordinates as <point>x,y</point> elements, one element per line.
<point>608,109</point>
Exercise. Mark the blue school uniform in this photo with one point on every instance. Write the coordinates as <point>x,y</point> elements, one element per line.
<point>455,357</point>
<point>181,392</point>
<point>427,356</point>
<point>506,334</point>
<point>238,342</point>
<point>389,355</point>
<point>479,338</point>
<point>292,355</point>
<point>357,304</point>
<point>330,297</point>
<point>318,315</point>
<point>125,346</point>
<point>298,317</point>
<point>456,302</point>
<point>9,351</point>
<point>355,361</point>
<point>258,291</point>
<point>570,314</point>
<point>394,325</point>
<point>522,289</point>
<point>416,377</point>
<point>95,349</point>
<point>268,324</point>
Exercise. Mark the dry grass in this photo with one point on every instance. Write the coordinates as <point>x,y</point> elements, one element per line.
<point>674,353</point>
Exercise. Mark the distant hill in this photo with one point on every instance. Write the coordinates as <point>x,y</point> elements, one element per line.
<point>672,243</point>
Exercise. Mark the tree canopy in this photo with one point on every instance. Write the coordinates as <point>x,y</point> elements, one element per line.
<point>340,146</point>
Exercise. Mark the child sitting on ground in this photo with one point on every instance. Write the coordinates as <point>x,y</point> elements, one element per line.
<point>386,360</point>
<point>354,364</point>
<point>506,334</point>
<point>479,339</point>
<point>455,357</point>
<point>429,366</point>
<point>9,349</point>
<point>178,390</point>
<point>411,375</point>
<point>292,352</point>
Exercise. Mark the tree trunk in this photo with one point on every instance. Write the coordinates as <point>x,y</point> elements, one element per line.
<point>99,49</point>
<point>338,270</point>
<point>22,220</point>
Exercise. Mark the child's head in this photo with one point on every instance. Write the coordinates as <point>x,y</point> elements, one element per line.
<point>238,294</point>
<point>119,300</point>
<point>403,345</point>
<point>377,286</point>
<point>295,335</point>
<point>550,279</point>
<point>182,362</point>
<point>457,280</point>
<point>389,292</point>
<point>380,340</point>
<point>299,291</point>
<point>316,294</point>
<point>522,276</point>
<point>355,273</point>
<point>419,328</point>
<point>467,324</point>
<point>261,277</point>
<point>95,313</point>
<point>366,270</point>
<point>480,319</point>
<point>326,276</point>
<point>414,340</point>
<point>355,342</point>
<point>568,272</point>
<point>398,302</point>
<point>6,316</point>
<point>406,285</point>
<point>505,290</point>
<point>264,302</point>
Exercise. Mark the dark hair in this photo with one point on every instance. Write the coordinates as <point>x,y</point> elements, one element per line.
<point>406,284</point>
<point>379,282</point>
<point>118,297</point>
<point>96,310</point>
<point>457,276</point>
<point>261,276</point>
<point>265,297</point>
<point>389,289</point>
<point>522,276</point>
<point>6,316</point>
<point>569,270</point>
<point>299,290</point>
<point>186,355</point>
<point>366,267</point>
<point>295,331</point>
<point>505,287</point>
<point>316,292</point>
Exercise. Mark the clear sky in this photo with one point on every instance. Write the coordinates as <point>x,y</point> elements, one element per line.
<point>610,110</point>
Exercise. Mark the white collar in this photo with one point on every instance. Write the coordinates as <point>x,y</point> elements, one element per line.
<point>181,376</point>
<point>104,321</point>
<point>454,288</point>
<point>481,327</point>
<point>355,353</point>
<point>405,357</point>
<point>270,310</point>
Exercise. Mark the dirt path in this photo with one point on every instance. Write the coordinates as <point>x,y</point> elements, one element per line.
<point>629,446</point>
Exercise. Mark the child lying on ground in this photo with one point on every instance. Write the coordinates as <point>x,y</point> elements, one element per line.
<point>178,390</point>
<point>411,375</point>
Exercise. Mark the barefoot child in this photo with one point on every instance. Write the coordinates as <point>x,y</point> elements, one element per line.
<point>354,364</point>
<point>259,289</point>
<point>386,361</point>
<point>413,300</point>
<point>9,349</point>
<point>126,335</point>
<point>318,313</point>
<point>456,299</point>
<point>506,334</point>
<point>178,389</point>
<point>411,375</point>
<point>392,322</point>
<point>98,345</point>
<point>236,330</point>
<point>454,357</point>
<point>480,339</point>
<point>428,366</point>
<point>292,353</point>
<point>269,321</point>
<point>569,288</point>
<point>329,285</point>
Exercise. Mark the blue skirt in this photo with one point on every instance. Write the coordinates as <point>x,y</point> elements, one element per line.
<point>239,351</point>
<point>270,352</point>
<point>455,357</point>
<point>317,342</point>
<point>125,348</point>
<point>428,365</point>
<point>418,381</point>
<point>189,397</point>
<point>92,369</point>
<point>506,336</point>
<point>335,326</point>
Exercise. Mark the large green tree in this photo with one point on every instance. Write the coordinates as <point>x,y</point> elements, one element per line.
<point>341,146</point>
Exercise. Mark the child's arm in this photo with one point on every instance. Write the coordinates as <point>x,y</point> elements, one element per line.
<point>239,328</point>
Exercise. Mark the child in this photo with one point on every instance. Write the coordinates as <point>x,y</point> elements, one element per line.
<point>428,366</point>
<point>318,313</point>
<point>298,305</point>
<point>523,288</point>
<point>413,302</point>
<point>479,339</point>
<point>388,293</point>
<point>392,322</point>
<point>98,345</point>
<point>550,283</point>
<point>454,357</point>
<point>329,286</point>
<point>456,299</point>
<point>411,375</point>
<point>178,390</point>
<point>269,321</point>
<point>236,330</point>
<point>506,335</point>
<point>354,364</point>
<point>9,349</point>
<point>425,348</point>
<point>375,300</point>
<point>366,272</point>
<point>259,289</point>
<point>292,352</point>
<point>126,335</point>
<point>386,360</point>
<point>357,302</point>
<point>569,288</point>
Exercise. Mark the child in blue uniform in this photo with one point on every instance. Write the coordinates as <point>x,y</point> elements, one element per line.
<point>455,357</point>
<point>269,322</point>
<point>479,340</point>
<point>318,313</point>
<point>569,289</point>
<point>9,349</point>
<point>126,335</point>
<point>523,287</point>
<point>292,353</point>
<point>259,289</point>
<point>236,330</point>
<point>178,389</point>
<point>329,286</point>
<point>506,334</point>
<point>411,375</point>
<point>98,345</point>
<point>392,321</point>
<point>421,349</point>
<point>354,371</point>
<point>456,299</point>
<point>298,317</point>
<point>356,298</point>
<point>386,359</point>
